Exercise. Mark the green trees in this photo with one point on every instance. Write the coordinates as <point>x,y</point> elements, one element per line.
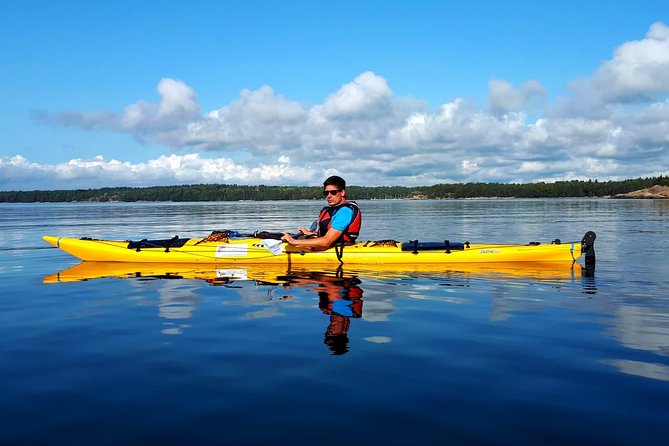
<point>234,192</point>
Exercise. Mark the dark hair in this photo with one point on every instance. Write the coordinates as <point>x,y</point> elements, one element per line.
<point>334,180</point>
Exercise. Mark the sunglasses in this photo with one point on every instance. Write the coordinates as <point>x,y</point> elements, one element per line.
<point>331,192</point>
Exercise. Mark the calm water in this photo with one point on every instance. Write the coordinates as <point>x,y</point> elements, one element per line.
<point>447,356</point>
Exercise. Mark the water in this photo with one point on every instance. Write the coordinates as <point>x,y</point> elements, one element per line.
<point>441,356</point>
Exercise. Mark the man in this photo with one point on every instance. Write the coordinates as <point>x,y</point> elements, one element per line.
<point>338,222</point>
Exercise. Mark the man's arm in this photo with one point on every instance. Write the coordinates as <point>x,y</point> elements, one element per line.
<point>314,243</point>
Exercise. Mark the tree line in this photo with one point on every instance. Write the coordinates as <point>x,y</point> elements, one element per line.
<point>234,192</point>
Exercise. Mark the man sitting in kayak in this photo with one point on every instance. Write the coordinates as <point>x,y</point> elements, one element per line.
<point>338,222</point>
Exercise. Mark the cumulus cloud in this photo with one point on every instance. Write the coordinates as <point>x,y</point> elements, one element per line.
<point>639,69</point>
<point>638,73</point>
<point>163,122</point>
<point>178,104</point>
<point>504,98</point>
<point>613,125</point>
<point>257,120</point>
<point>18,173</point>
<point>367,96</point>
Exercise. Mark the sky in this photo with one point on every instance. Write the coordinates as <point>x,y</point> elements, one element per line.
<point>144,93</point>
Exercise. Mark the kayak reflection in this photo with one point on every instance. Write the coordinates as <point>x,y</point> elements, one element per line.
<point>218,275</point>
<point>339,294</point>
<point>268,289</point>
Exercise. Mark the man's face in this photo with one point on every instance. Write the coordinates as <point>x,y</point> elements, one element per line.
<point>333,195</point>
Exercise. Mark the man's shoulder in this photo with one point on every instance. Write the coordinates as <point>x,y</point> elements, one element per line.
<point>344,210</point>
<point>352,205</point>
<point>342,218</point>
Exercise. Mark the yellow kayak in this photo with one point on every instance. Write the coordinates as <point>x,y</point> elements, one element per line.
<point>230,248</point>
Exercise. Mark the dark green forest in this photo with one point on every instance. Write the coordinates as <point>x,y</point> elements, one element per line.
<point>234,192</point>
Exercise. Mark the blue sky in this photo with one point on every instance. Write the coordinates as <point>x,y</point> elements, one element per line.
<point>381,92</point>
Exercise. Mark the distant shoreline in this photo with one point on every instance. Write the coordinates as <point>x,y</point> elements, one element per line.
<point>630,196</point>
<point>657,187</point>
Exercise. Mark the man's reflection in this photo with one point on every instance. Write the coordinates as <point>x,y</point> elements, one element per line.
<point>339,297</point>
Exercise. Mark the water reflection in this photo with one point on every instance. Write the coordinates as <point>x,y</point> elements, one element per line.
<point>265,289</point>
<point>339,297</point>
<point>509,289</point>
<point>643,329</point>
<point>658,372</point>
<point>177,303</point>
<point>339,293</point>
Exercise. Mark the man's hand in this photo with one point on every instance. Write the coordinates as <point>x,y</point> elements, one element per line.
<point>305,231</point>
<point>288,238</point>
<point>314,243</point>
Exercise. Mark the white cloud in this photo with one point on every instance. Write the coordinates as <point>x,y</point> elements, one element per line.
<point>637,73</point>
<point>18,173</point>
<point>258,120</point>
<point>178,104</point>
<point>503,97</point>
<point>177,100</point>
<point>614,125</point>
<point>638,70</point>
<point>367,96</point>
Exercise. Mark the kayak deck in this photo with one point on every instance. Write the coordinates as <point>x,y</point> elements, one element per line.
<point>253,250</point>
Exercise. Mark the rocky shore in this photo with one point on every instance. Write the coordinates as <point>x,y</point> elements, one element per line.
<point>652,192</point>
